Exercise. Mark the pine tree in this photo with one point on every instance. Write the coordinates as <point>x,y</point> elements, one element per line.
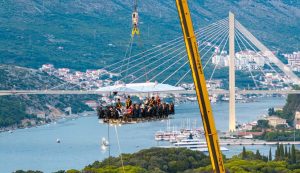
<point>286,152</point>
<point>270,155</point>
<point>281,152</point>
<point>289,155</point>
<point>277,152</point>
<point>293,154</point>
<point>244,154</point>
<point>257,155</point>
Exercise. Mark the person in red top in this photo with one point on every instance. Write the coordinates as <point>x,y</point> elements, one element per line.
<point>157,100</point>
<point>128,112</point>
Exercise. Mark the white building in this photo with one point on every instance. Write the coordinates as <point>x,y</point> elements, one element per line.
<point>297,120</point>
<point>48,68</point>
<point>245,60</point>
<point>293,60</point>
<point>274,121</point>
<point>63,71</point>
<point>248,59</point>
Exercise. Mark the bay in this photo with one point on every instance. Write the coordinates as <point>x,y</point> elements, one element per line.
<point>36,148</point>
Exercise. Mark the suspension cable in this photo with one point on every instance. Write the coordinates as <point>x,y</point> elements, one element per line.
<point>156,61</point>
<point>166,68</point>
<point>267,62</point>
<point>175,72</point>
<point>239,38</point>
<point>249,68</point>
<point>159,50</point>
<point>224,32</point>
<point>223,36</point>
<point>216,36</point>
<point>183,77</point>
<point>119,146</point>
<point>157,66</point>
<point>218,61</point>
<point>259,53</point>
<point>129,47</point>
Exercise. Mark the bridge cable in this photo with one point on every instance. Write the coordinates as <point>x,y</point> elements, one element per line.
<point>128,49</point>
<point>165,62</point>
<point>259,53</point>
<point>208,28</point>
<point>186,63</point>
<point>119,146</point>
<point>215,45</point>
<point>267,62</point>
<point>189,70</point>
<point>249,68</point>
<point>158,66</point>
<point>239,38</point>
<point>178,41</point>
<point>155,62</point>
<point>183,77</point>
<point>175,72</point>
<point>211,76</point>
<point>166,69</point>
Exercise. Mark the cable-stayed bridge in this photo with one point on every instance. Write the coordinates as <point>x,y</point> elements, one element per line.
<point>88,92</point>
<point>225,44</point>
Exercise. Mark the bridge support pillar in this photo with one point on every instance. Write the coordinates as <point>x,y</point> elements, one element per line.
<point>231,73</point>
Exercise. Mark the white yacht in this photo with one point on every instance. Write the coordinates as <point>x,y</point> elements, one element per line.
<point>193,144</point>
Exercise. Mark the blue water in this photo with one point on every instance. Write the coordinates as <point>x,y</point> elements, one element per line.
<point>36,148</point>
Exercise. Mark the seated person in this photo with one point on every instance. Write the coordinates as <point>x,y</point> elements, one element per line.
<point>149,111</point>
<point>165,110</point>
<point>128,113</point>
<point>157,100</point>
<point>114,113</point>
<point>119,104</point>
<point>152,102</point>
<point>143,111</point>
<point>136,111</point>
<point>172,108</point>
<point>146,102</point>
<point>160,111</point>
<point>100,112</point>
<point>128,102</point>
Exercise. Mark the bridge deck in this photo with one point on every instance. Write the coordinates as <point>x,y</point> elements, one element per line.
<point>87,92</point>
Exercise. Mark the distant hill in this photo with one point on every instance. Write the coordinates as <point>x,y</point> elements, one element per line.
<point>15,108</point>
<point>83,34</point>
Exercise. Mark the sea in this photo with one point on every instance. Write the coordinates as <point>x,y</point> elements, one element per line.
<point>80,139</point>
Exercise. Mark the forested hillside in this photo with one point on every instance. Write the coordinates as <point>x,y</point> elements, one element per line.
<point>93,33</point>
<point>17,107</point>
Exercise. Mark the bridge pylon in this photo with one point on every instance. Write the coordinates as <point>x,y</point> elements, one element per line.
<point>231,73</point>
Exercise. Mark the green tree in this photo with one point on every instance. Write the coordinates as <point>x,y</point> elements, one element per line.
<point>244,153</point>
<point>270,155</point>
<point>286,154</point>
<point>263,124</point>
<point>258,155</point>
<point>271,111</point>
<point>289,155</point>
<point>293,154</point>
<point>277,152</point>
<point>281,152</point>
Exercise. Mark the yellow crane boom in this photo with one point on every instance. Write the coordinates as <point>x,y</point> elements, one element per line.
<point>211,135</point>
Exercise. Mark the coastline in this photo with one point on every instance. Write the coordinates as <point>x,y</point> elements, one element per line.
<point>55,120</point>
